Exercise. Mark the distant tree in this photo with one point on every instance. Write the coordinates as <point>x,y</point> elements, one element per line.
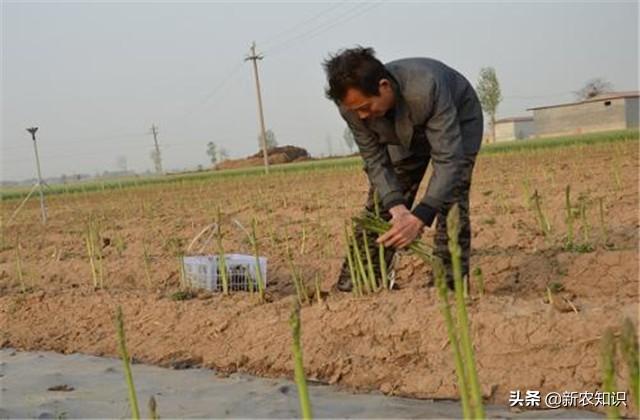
<point>488,90</point>
<point>270,139</point>
<point>63,178</point>
<point>347,135</point>
<point>212,151</point>
<point>592,88</point>
<point>121,163</point>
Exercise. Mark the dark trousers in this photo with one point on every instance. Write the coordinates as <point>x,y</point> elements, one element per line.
<point>410,171</point>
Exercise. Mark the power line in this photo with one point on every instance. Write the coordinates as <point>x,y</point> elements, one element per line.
<point>216,89</point>
<point>313,32</point>
<point>181,121</point>
<point>305,22</point>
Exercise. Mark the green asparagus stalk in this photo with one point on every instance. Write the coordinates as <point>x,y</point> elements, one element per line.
<point>379,226</point>
<point>301,290</point>
<point>381,251</point>
<point>453,230</point>
<point>301,381</point>
<point>371,272</point>
<point>608,346</point>
<point>629,346</point>
<point>359,263</point>
<point>124,355</point>
<point>222,261</point>
<point>355,286</point>
<point>453,339</point>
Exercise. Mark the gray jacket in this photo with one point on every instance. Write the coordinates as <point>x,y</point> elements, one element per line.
<point>430,96</point>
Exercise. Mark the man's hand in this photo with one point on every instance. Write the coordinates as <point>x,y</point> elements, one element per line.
<point>405,228</point>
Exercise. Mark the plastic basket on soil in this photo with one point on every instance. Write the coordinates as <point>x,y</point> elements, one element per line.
<point>202,271</point>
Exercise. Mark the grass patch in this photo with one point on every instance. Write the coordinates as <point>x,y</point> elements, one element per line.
<point>342,163</point>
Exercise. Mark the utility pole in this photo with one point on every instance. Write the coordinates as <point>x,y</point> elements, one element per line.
<point>43,207</point>
<point>263,137</point>
<point>158,159</point>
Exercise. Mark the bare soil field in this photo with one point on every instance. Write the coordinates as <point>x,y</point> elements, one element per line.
<point>396,341</point>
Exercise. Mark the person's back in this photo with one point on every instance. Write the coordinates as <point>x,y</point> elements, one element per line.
<point>417,77</point>
<point>416,70</point>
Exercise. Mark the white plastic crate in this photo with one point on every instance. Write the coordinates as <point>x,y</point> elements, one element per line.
<point>201,271</point>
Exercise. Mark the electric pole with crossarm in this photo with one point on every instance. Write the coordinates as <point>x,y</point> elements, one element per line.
<point>263,136</point>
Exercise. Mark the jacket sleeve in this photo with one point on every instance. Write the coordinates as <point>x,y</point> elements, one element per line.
<point>376,161</point>
<point>447,153</point>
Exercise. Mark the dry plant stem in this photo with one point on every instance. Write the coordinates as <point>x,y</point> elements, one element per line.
<point>254,240</point>
<point>549,296</point>
<point>603,224</point>
<point>19,273</point>
<point>542,220</point>
<point>527,193</point>
<point>616,174</point>
<point>304,240</point>
<point>585,223</point>
<point>569,217</point>
<point>184,285</point>
<point>300,292</point>
<point>479,279</point>
<point>222,260</point>
<point>124,355</point>
<point>608,346</point>
<point>317,284</point>
<point>93,241</point>
<point>147,263</point>
<point>453,230</point>
<point>92,264</point>
<point>301,380</point>
<point>153,409</point>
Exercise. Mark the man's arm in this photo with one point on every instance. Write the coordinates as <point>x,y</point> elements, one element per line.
<point>377,162</point>
<point>447,153</point>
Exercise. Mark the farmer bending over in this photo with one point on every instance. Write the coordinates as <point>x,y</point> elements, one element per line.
<point>404,114</point>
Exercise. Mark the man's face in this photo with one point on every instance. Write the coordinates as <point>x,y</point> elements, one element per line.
<point>370,106</point>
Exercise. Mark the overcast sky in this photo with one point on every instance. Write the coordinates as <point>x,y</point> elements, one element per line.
<point>95,76</point>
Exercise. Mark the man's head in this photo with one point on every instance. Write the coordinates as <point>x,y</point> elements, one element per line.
<point>359,82</point>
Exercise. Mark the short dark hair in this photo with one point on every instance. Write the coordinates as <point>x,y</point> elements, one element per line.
<point>353,68</point>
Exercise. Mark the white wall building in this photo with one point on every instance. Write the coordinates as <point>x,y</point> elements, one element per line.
<point>516,128</point>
